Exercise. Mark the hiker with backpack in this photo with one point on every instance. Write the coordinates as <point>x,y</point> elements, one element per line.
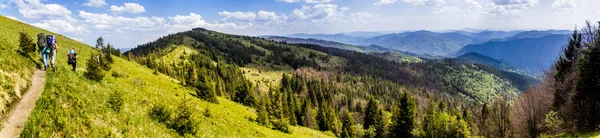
<point>72,58</point>
<point>51,39</point>
<point>44,49</point>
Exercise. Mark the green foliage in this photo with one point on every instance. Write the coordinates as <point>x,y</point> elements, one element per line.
<point>565,67</point>
<point>438,123</point>
<point>374,118</point>
<point>404,118</point>
<point>182,122</point>
<point>94,71</point>
<point>26,44</point>
<point>552,122</point>
<point>347,123</point>
<point>281,125</point>
<point>586,98</point>
<point>160,113</point>
<point>115,101</point>
<point>205,91</point>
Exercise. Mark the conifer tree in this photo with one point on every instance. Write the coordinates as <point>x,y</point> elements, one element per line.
<point>26,44</point>
<point>565,66</point>
<point>404,118</point>
<point>588,86</point>
<point>347,122</point>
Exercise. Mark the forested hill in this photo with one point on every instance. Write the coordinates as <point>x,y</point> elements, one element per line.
<point>326,88</point>
<point>444,76</point>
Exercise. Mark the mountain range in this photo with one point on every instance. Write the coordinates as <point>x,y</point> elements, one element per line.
<point>527,52</point>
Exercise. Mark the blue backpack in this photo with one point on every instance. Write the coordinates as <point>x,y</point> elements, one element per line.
<point>51,40</point>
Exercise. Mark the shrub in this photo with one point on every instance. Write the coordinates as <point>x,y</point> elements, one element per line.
<point>182,123</point>
<point>93,70</point>
<point>281,125</point>
<point>115,101</point>
<point>26,44</point>
<point>207,113</point>
<point>160,113</point>
<point>553,122</point>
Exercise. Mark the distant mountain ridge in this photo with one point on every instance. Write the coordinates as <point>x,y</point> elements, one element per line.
<point>532,55</point>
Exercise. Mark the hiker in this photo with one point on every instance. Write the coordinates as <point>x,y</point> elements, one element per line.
<point>53,50</point>
<point>42,46</point>
<point>72,58</point>
<point>45,53</point>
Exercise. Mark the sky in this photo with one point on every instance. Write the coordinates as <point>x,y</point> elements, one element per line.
<point>126,24</point>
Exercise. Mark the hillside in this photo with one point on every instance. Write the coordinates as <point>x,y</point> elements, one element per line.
<point>421,42</point>
<point>530,55</point>
<point>347,62</point>
<point>72,105</point>
<point>373,49</point>
<point>481,59</point>
<point>331,37</point>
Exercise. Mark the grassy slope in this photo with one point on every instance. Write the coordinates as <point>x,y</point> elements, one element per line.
<point>74,106</point>
<point>15,70</point>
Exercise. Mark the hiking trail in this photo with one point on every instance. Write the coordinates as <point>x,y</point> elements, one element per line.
<point>17,118</point>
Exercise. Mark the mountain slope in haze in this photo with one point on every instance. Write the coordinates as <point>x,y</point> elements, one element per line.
<point>481,59</point>
<point>421,42</point>
<point>331,37</point>
<point>531,55</point>
<point>373,49</point>
<point>73,106</point>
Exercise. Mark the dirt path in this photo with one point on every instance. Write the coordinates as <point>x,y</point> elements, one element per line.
<point>17,118</point>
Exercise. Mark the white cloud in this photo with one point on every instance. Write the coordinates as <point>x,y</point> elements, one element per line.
<point>34,9</point>
<point>239,16</point>
<point>62,26</point>
<point>120,23</point>
<point>446,10</point>
<point>3,6</point>
<point>289,1</point>
<point>95,3</point>
<point>473,4</point>
<point>514,2</point>
<point>317,1</point>
<point>128,7</point>
<point>509,8</point>
<point>385,2</point>
<point>566,4</point>
<point>425,2</point>
<point>306,1</point>
<point>361,16</point>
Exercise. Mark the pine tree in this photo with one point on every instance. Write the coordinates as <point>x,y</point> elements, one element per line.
<point>586,100</point>
<point>99,43</point>
<point>404,118</point>
<point>370,113</point>
<point>26,44</point>
<point>93,71</point>
<point>565,66</point>
<point>347,122</point>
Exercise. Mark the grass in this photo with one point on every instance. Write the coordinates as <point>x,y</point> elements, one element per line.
<point>15,70</point>
<point>73,106</point>
<point>595,134</point>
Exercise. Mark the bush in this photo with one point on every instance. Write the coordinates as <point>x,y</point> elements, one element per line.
<point>182,123</point>
<point>160,113</point>
<point>93,70</point>
<point>281,125</point>
<point>115,101</point>
<point>207,113</point>
<point>552,122</point>
<point>26,44</point>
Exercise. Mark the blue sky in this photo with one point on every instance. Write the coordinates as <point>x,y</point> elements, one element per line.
<point>132,22</point>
